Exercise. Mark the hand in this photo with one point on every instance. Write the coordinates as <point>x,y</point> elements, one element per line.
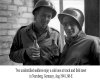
<point>34,51</point>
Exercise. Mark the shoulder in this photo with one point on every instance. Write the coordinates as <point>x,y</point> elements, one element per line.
<point>54,30</point>
<point>24,28</point>
<point>95,43</point>
<point>55,34</point>
<point>90,37</point>
<point>20,30</point>
<point>94,39</point>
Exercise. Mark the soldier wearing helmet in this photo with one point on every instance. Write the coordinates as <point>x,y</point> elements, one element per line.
<point>80,49</point>
<point>37,43</point>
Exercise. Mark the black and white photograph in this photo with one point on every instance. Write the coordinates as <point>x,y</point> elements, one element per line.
<point>50,39</point>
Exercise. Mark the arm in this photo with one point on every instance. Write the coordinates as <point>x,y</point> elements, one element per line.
<point>17,51</point>
<point>19,54</point>
<point>60,47</point>
<point>96,51</point>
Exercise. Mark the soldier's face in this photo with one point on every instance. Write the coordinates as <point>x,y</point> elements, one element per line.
<point>43,17</point>
<point>70,27</point>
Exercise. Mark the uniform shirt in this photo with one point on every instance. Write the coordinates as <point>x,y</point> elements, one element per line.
<point>81,50</point>
<point>49,43</point>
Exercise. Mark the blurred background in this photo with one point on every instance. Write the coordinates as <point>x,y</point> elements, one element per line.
<point>16,13</point>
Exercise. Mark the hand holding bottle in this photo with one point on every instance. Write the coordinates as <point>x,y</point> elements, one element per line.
<point>34,51</point>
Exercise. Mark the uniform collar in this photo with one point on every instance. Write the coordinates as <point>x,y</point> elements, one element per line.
<point>30,29</point>
<point>76,38</point>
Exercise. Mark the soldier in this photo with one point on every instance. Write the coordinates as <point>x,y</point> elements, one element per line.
<point>37,43</point>
<point>80,49</point>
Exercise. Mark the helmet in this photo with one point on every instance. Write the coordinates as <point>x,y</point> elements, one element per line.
<point>45,3</point>
<point>74,13</point>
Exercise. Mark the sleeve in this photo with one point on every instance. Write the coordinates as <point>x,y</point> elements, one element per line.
<point>59,41</point>
<point>17,51</point>
<point>60,47</point>
<point>96,51</point>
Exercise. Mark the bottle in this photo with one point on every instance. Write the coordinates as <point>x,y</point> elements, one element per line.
<point>37,48</point>
<point>36,44</point>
